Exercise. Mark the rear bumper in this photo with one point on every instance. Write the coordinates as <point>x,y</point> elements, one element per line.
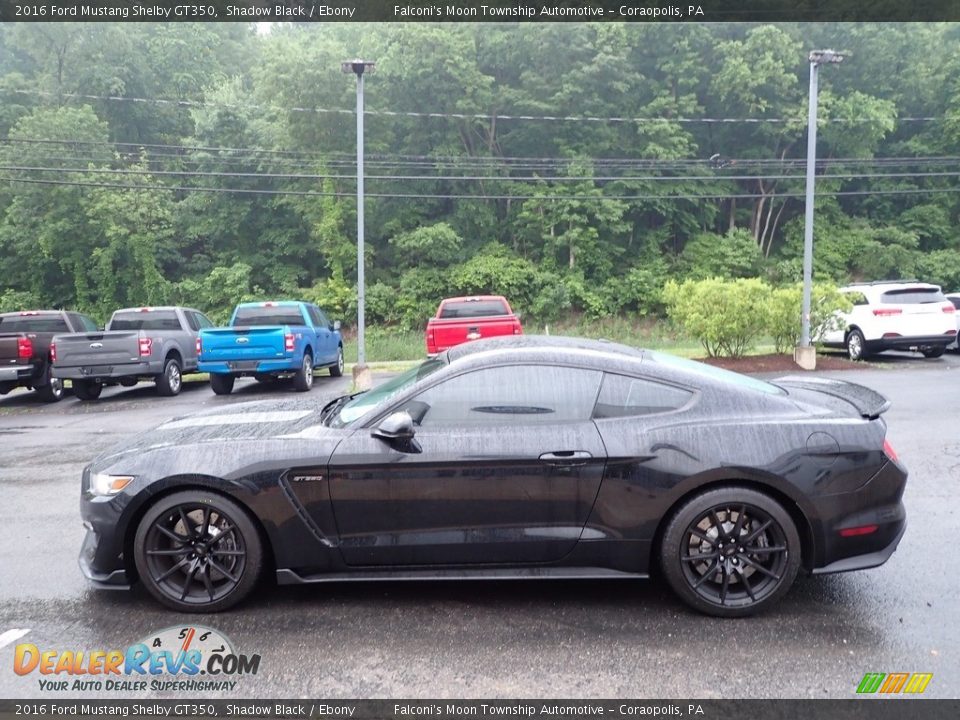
<point>905,343</point>
<point>16,373</point>
<point>241,368</point>
<point>877,504</point>
<point>102,373</point>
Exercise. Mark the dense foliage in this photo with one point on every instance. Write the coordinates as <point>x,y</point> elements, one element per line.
<point>206,163</point>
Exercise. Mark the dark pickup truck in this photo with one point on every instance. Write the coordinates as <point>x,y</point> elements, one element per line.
<point>25,349</point>
<point>147,343</point>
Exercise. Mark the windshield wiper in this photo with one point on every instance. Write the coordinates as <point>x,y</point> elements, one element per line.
<point>333,407</point>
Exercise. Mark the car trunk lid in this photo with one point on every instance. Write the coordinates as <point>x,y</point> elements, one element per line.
<point>867,403</point>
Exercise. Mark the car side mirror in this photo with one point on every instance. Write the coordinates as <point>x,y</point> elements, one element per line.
<point>396,426</point>
<point>335,325</point>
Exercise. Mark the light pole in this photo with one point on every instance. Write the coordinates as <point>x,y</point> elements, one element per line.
<point>361,376</point>
<point>805,354</point>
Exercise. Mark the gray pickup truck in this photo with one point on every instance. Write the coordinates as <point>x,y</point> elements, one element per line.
<point>148,343</point>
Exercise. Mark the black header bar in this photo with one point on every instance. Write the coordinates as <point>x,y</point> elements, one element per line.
<point>480,11</point>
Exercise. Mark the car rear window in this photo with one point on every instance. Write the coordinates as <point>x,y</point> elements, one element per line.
<point>622,396</point>
<point>912,296</point>
<point>268,316</point>
<point>473,309</point>
<point>33,323</point>
<point>145,320</point>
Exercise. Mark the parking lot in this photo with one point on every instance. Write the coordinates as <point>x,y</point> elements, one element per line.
<point>506,639</point>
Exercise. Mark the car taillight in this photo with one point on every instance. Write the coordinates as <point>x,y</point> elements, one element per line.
<point>53,352</point>
<point>288,342</point>
<point>887,312</point>
<point>199,346</point>
<point>146,347</point>
<point>861,530</point>
<point>948,308</point>
<point>889,451</point>
<point>517,330</point>
<point>24,348</point>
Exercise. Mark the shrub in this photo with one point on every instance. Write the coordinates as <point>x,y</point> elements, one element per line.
<point>784,313</point>
<point>726,316</point>
<point>734,255</point>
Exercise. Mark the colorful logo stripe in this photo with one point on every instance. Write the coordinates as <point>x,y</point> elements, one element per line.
<point>893,683</point>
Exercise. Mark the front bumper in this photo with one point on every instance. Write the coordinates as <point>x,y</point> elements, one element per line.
<point>105,373</point>
<point>101,558</point>
<point>106,580</point>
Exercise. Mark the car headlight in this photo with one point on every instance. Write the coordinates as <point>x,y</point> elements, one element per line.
<point>102,484</point>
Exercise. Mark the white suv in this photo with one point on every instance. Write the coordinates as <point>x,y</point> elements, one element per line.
<point>900,315</point>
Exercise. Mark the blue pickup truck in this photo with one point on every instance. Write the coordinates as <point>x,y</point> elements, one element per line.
<point>267,340</point>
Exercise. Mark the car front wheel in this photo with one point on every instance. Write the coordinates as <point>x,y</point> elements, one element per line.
<point>198,551</point>
<point>730,552</point>
<point>336,370</point>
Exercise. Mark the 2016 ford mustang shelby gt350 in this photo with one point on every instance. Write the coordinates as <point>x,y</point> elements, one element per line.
<point>522,457</point>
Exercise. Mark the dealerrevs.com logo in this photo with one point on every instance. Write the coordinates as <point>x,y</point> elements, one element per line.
<point>894,683</point>
<point>188,659</point>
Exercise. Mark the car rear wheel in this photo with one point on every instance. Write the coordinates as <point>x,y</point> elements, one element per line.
<point>730,552</point>
<point>53,390</point>
<point>197,551</point>
<point>170,381</point>
<point>303,380</point>
<point>222,384</point>
<point>856,345</point>
<point>336,370</point>
<point>87,389</point>
<point>933,351</point>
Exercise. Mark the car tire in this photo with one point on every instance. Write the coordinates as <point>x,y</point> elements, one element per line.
<point>303,380</point>
<point>87,390</point>
<point>730,552</point>
<point>933,351</point>
<point>856,345</point>
<point>222,384</point>
<point>198,551</point>
<point>52,391</point>
<point>336,370</point>
<point>128,382</point>
<point>170,381</point>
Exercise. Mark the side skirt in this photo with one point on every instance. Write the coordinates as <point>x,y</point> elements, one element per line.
<point>291,577</point>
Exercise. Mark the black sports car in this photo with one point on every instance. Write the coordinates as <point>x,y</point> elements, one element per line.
<point>524,457</point>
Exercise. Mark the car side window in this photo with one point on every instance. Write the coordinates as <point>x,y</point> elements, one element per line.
<point>324,323</point>
<point>202,320</point>
<point>85,324</point>
<point>314,316</point>
<point>509,395</point>
<point>622,396</point>
<point>857,298</point>
<point>192,321</point>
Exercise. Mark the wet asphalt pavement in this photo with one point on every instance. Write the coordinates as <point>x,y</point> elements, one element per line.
<point>497,639</point>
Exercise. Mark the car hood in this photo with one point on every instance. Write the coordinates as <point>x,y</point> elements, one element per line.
<point>243,426</point>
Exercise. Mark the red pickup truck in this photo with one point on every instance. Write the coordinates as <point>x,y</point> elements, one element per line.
<point>461,319</point>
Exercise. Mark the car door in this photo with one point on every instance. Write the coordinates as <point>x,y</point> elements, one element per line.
<point>504,467</point>
<point>326,346</point>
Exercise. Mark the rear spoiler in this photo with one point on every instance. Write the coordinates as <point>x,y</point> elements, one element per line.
<point>869,403</point>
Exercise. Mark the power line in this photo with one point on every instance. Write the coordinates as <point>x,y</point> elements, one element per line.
<point>442,196</point>
<point>500,178</point>
<point>455,116</point>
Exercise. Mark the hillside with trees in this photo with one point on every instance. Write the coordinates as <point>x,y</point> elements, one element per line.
<point>575,168</point>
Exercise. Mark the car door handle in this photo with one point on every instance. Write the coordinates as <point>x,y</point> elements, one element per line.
<point>566,457</point>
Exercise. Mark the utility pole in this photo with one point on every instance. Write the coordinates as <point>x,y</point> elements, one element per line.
<point>805,354</point>
<point>361,374</point>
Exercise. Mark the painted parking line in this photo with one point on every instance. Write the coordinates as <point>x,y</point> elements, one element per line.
<point>13,634</point>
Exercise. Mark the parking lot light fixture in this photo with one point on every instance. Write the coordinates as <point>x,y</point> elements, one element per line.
<point>805,355</point>
<point>360,373</point>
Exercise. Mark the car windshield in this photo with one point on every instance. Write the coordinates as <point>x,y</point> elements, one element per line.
<point>145,320</point>
<point>359,405</point>
<point>716,373</point>
<point>472,309</point>
<point>33,323</point>
<point>268,315</point>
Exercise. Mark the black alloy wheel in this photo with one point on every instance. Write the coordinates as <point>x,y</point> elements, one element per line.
<point>198,552</point>
<point>731,552</point>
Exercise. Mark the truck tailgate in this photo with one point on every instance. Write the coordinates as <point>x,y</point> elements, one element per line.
<point>241,343</point>
<point>105,348</point>
<point>10,349</point>
<point>455,331</point>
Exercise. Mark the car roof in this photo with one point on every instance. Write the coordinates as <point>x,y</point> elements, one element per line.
<point>148,308</point>
<point>885,286</point>
<point>564,347</point>
<point>472,298</point>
